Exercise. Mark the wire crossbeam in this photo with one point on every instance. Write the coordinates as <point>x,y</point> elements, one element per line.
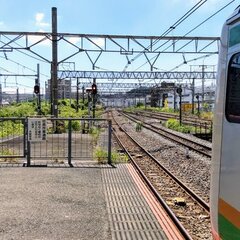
<point>135,75</point>
<point>123,44</point>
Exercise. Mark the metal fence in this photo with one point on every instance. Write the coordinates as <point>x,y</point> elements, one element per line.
<point>65,141</point>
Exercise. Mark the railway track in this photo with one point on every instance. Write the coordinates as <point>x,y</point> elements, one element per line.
<point>194,121</point>
<point>185,207</point>
<point>204,149</point>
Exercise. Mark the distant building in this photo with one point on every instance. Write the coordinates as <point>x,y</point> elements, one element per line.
<point>159,97</point>
<point>64,89</point>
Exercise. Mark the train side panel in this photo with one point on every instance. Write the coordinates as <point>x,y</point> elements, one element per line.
<point>217,130</point>
<point>225,183</point>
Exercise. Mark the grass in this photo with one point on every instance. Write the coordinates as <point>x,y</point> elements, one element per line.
<point>102,156</point>
<point>7,152</point>
<point>175,125</point>
<point>138,126</point>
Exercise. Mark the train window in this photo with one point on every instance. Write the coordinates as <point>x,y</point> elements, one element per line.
<point>233,90</point>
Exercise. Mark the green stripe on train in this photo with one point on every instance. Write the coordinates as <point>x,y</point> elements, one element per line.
<point>227,230</point>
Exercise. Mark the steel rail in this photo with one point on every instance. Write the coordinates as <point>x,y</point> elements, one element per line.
<point>187,119</point>
<point>152,128</point>
<point>173,217</point>
<point>191,193</point>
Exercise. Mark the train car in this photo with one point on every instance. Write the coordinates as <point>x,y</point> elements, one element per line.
<point>225,181</point>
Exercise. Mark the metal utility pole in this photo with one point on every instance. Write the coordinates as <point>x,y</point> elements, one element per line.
<point>83,99</point>
<point>94,92</point>
<point>17,100</point>
<point>89,101</point>
<point>193,93</point>
<point>54,65</point>
<point>197,97</point>
<point>77,94</point>
<point>0,94</point>
<point>47,92</point>
<point>39,94</point>
<point>70,100</point>
<point>203,79</point>
<point>174,99</point>
<point>179,91</point>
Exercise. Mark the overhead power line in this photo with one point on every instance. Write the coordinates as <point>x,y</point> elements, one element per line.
<point>30,69</point>
<point>207,19</point>
<point>176,24</point>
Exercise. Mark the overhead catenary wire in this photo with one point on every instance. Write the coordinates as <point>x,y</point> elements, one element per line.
<point>207,19</point>
<point>191,60</point>
<point>16,82</point>
<point>171,28</point>
<point>30,69</point>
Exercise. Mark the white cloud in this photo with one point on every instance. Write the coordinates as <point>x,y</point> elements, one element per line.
<point>39,17</point>
<point>43,24</point>
<point>1,23</point>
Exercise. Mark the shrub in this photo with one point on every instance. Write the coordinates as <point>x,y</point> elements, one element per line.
<point>60,126</point>
<point>95,132</point>
<point>73,106</point>
<point>102,156</point>
<point>138,127</point>
<point>140,104</point>
<point>7,152</point>
<point>172,124</point>
<point>64,102</point>
<point>76,125</point>
<point>175,125</point>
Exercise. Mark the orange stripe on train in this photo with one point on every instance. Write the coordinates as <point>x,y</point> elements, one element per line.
<point>229,212</point>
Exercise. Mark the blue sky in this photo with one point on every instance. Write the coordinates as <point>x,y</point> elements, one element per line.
<point>125,17</point>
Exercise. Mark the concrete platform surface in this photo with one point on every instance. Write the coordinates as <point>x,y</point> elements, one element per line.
<point>94,202</point>
<point>52,203</point>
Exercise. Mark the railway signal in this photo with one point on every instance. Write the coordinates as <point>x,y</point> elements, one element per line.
<point>197,97</point>
<point>94,93</point>
<point>179,91</point>
<point>94,89</point>
<point>36,89</point>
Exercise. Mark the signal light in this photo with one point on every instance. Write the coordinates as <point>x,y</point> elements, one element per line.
<point>36,89</point>
<point>179,90</point>
<point>94,88</point>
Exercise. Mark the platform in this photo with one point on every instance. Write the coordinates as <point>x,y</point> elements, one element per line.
<point>88,202</point>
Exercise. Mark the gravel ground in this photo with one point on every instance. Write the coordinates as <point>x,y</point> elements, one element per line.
<point>52,203</point>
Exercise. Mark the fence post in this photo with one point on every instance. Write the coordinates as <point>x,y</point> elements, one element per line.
<point>70,143</point>
<point>25,137</point>
<point>28,154</point>
<point>109,142</point>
